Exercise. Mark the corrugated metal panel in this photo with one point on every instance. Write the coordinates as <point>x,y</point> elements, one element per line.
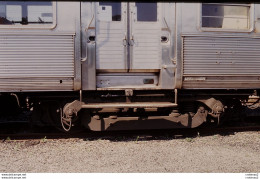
<point>224,82</point>
<point>36,84</point>
<point>110,51</point>
<point>36,62</point>
<point>221,62</point>
<point>221,56</point>
<point>147,50</point>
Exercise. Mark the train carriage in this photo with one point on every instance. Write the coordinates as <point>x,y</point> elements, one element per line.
<point>128,65</point>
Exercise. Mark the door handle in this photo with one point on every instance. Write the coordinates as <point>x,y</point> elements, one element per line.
<point>125,41</point>
<point>132,41</point>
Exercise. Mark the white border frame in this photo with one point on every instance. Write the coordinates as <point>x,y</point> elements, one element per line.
<point>36,26</point>
<point>211,29</point>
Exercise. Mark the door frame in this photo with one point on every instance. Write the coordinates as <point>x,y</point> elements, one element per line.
<point>132,51</point>
<point>169,50</point>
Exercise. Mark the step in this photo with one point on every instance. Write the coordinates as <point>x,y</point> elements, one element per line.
<point>130,105</point>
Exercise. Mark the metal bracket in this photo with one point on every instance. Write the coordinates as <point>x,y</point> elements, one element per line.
<point>199,117</point>
<point>168,66</point>
<point>84,59</point>
<point>174,61</point>
<point>68,112</point>
<point>72,108</point>
<point>129,92</point>
<point>176,96</point>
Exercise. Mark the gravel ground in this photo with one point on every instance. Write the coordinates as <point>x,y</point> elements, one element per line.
<point>239,152</point>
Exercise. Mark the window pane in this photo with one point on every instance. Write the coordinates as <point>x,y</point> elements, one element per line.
<point>116,9</point>
<point>213,22</point>
<point>212,10</point>
<point>40,12</point>
<point>14,12</point>
<point>225,16</point>
<point>146,12</point>
<point>26,12</point>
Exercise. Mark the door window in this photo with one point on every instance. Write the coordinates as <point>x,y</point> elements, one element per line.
<point>226,16</point>
<point>146,12</point>
<point>111,9</point>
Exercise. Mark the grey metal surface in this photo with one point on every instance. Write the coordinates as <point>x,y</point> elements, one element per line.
<point>221,55</point>
<point>222,82</point>
<point>128,46</point>
<point>88,48</point>
<point>36,84</point>
<point>36,61</point>
<point>146,52</point>
<point>110,35</point>
<point>178,45</point>
<point>77,54</point>
<point>204,58</point>
<point>42,58</point>
<point>167,75</point>
<point>113,39</point>
<point>229,61</point>
<point>127,80</point>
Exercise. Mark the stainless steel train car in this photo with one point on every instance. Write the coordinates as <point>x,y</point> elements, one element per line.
<point>128,65</point>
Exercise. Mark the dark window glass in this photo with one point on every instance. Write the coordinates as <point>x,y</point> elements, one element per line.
<point>146,12</point>
<point>26,12</point>
<point>116,9</point>
<point>225,16</point>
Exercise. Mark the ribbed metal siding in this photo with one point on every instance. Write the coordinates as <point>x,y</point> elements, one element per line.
<point>147,53</point>
<point>36,62</point>
<point>221,62</point>
<point>221,56</point>
<point>110,48</point>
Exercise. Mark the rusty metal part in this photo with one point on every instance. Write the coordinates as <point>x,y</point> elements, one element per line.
<point>8,130</point>
<point>66,123</point>
<point>199,117</point>
<point>129,105</point>
<point>252,102</point>
<point>66,115</point>
<point>135,123</point>
<point>129,92</point>
<point>215,105</point>
<point>173,121</point>
<point>72,108</point>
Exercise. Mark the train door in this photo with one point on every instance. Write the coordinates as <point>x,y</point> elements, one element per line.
<point>128,44</point>
<point>111,37</point>
<point>145,37</point>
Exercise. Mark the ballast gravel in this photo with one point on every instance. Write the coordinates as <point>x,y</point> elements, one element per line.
<point>238,152</point>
